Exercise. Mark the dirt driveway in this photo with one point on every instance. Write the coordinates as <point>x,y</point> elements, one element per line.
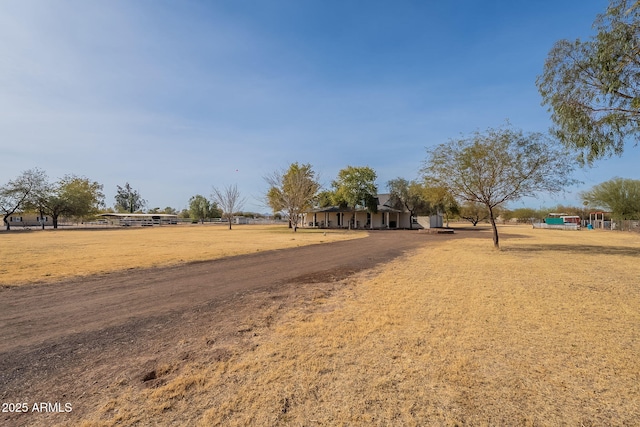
<point>69,341</point>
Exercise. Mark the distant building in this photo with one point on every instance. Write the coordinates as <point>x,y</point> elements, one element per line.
<point>386,217</point>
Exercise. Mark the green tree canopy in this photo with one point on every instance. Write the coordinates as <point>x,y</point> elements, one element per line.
<point>73,196</point>
<point>324,199</point>
<point>128,199</point>
<point>355,186</point>
<point>200,208</point>
<point>441,200</point>
<point>592,87</point>
<point>410,196</point>
<point>620,196</point>
<point>292,191</point>
<point>25,191</point>
<point>498,166</point>
<point>474,212</point>
<point>528,214</point>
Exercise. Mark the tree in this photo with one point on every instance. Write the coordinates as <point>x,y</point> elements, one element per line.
<point>498,166</point>
<point>581,211</point>
<point>168,210</point>
<point>592,87</point>
<point>528,215</point>
<point>24,191</point>
<point>128,199</point>
<point>229,201</point>
<point>200,209</point>
<point>324,199</point>
<point>474,212</point>
<point>72,196</point>
<point>620,196</point>
<point>441,200</point>
<point>355,186</point>
<point>410,196</point>
<point>293,191</point>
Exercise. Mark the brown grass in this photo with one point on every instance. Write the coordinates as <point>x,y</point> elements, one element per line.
<point>51,255</point>
<point>545,332</point>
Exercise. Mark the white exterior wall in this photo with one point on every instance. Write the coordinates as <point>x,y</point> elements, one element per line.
<point>28,219</point>
<point>433,221</point>
<point>379,220</point>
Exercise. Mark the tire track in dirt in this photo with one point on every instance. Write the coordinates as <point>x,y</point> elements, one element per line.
<point>34,314</point>
<point>46,329</point>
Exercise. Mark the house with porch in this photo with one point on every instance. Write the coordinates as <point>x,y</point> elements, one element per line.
<point>387,216</point>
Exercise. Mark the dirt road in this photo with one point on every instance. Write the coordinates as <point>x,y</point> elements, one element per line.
<point>87,330</point>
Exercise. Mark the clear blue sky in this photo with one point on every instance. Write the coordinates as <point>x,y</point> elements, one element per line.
<point>175,97</point>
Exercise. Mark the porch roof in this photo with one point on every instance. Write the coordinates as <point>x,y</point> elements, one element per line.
<point>338,209</point>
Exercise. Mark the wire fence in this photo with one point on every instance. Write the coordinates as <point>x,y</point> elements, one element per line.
<point>617,225</point>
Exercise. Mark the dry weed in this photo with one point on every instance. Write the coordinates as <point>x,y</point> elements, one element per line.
<point>544,332</point>
<point>51,255</point>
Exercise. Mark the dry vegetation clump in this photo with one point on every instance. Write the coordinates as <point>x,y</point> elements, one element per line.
<point>544,332</point>
<point>51,255</point>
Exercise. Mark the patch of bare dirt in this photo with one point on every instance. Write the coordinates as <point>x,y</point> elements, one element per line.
<point>74,342</point>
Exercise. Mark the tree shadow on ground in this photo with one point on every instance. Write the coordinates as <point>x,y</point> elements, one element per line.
<point>577,249</point>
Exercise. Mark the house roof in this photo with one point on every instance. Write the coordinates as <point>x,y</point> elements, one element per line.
<point>383,205</point>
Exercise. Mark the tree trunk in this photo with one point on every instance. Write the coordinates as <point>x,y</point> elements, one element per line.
<point>54,219</point>
<point>496,241</point>
<point>7,223</point>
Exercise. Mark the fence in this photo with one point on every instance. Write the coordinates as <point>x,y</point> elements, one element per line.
<point>619,225</point>
<point>626,225</point>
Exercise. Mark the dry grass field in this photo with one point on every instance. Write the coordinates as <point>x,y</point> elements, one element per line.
<point>545,332</point>
<point>41,256</point>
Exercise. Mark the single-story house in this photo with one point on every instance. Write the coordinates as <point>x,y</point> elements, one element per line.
<point>27,219</point>
<point>386,217</point>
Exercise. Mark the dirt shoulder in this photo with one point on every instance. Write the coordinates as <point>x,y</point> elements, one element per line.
<point>69,342</point>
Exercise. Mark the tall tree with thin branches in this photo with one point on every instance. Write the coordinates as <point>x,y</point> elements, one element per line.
<point>24,191</point>
<point>410,196</point>
<point>498,166</point>
<point>228,200</point>
<point>128,199</point>
<point>592,87</point>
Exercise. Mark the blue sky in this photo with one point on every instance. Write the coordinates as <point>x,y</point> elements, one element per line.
<point>176,97</point>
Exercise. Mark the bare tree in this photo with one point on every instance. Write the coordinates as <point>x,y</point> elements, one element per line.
<point>229,200</point>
